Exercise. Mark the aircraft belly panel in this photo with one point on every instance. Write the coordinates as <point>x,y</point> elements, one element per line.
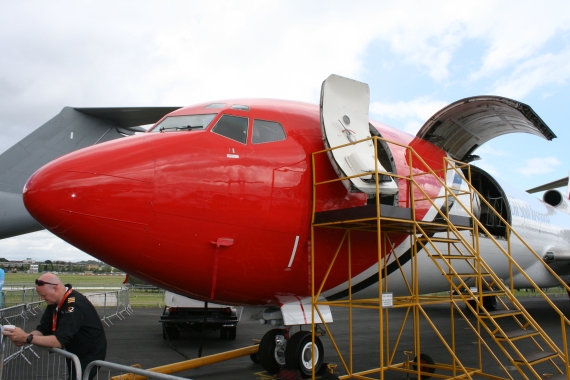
<point>220,273</point>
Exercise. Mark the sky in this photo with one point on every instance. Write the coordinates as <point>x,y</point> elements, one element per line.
<point>417,57</point>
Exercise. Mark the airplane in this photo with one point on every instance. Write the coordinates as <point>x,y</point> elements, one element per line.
<point>215,201</point>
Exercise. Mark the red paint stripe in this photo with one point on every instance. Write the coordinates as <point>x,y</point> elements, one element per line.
<point>302,310</point>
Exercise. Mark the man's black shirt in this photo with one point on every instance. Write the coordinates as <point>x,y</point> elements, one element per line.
<point>78,329</point>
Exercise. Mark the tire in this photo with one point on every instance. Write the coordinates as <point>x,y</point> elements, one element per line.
<point>425,359</point>
<point>170,332</point>
<point>299,353</point>
<point>228,333</point>
<point>254,358</point>
<point>232,333</point>
<point>270,356</point>
<point>490,303</point>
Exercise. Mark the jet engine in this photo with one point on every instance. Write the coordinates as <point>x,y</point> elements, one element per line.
<point>556,199</point>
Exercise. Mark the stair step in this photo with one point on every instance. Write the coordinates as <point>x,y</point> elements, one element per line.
<point>439,239</point>
<point>517,334</point>
<point>501,313</point>
<point>560,376</point>
<point>488,293</point>
<point>537,356</point>
<point>447,257</point>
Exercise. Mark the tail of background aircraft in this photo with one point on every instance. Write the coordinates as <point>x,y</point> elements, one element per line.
<point>71,129</point>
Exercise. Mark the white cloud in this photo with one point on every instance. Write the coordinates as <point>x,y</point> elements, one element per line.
<point>413,114</point>
<point>544,70</point>
<point>528,28</point>
<point>488,167</point>
<point>179,53</point>
<point>541,165</point>
<point>489,150</point>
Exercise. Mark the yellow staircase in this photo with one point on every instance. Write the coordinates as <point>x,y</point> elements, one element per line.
<point>485,303</point>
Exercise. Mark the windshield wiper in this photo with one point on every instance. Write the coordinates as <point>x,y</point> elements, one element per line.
<point>186,128</point>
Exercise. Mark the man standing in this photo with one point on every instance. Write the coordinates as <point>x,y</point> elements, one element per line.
<point>70,321</point>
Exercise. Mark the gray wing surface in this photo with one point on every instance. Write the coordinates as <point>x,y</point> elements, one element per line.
<point>70,130</point>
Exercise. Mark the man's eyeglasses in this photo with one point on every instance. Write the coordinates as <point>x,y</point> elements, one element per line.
<point>42,283</point>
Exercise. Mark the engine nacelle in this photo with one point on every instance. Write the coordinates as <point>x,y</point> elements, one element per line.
<point>556,199</point>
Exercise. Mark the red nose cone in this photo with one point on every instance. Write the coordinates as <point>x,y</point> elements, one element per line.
<point>98,198</point>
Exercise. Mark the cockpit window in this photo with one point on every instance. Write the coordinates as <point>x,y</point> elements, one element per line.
<point>232,127</point>
<point>240,107</point>
<point>267,131</point>
<point>216,105</point>
<point>184,123</point>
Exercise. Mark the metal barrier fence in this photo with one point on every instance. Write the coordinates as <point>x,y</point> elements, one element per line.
<point>108,370</point>
<point>56,364</point>
<point>19,296</point>
<point>31,361</point>
<point>115,304</point>
<point>14,315</point>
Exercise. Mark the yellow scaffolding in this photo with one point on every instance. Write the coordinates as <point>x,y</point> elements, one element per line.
<point>455,252</point>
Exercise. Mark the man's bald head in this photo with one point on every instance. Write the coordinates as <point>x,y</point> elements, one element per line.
<point>53,290</point>
<point>52,278</point>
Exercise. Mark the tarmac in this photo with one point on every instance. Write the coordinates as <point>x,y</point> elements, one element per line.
<point>138,339</point>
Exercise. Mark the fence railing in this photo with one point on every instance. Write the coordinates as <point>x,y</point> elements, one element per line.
<point>32,362</point>
<point>108,370</point>
<point>115,304</point>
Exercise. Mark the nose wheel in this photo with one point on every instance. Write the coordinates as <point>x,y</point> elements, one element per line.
<point>271,355</point>
<point>300,352</point>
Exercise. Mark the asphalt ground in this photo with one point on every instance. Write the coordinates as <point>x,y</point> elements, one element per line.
<point>138,340</point>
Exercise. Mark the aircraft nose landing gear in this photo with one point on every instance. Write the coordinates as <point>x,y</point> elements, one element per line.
<point>271,354</point>
<point>295,353</point>
<point>300,351</point>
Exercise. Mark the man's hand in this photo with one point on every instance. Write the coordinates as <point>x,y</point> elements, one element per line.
<point>16,335</point>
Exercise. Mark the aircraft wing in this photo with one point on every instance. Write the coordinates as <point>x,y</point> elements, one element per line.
<point>463,126</point>
<point>548,186</point>
<point>70,130</point>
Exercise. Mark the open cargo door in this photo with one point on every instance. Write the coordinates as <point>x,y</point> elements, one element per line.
<point>344,120</point>
<point>463,126</point>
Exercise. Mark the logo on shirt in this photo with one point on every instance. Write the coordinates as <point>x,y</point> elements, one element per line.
<point>70,309</point>
<point>70,299</point>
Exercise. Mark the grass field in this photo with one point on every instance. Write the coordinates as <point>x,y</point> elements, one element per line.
<point>96,283</point>
<point>77,280</point>
<point>144,298</point>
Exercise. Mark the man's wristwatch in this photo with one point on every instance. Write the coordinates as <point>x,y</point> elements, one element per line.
<point>30,338</point>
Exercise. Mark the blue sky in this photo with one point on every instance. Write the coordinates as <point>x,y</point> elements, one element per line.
<point>417,57</point>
